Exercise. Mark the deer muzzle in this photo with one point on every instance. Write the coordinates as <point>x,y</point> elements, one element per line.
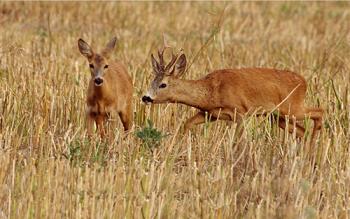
<point>147,99</point>
<point>98,81</point>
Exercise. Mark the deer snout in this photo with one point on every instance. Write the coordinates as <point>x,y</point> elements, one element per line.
<point>147,99</point>
<point>98,81</point>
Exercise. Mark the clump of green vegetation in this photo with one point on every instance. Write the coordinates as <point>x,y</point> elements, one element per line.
<point>81,152</point>
<point>150,136</point>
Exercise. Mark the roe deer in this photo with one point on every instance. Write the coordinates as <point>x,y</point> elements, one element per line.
<point>110,88</point>
<point>228,94</point>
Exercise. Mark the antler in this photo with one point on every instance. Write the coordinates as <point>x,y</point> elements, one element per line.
<point>172,62</point>
<point>161,52</point>
<point>161,58</point>
<point>162,67</point>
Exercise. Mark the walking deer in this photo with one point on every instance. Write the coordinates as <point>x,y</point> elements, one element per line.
<point>110,88</point>
<point>228,94</point>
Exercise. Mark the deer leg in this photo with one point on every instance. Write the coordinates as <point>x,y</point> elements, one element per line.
<point>100,119</point>
<point>194,120</point>
<point>126,118</point>
<point>227,114</point>
<point>89,124</point>
<point>316,115</point>
<point>299,130</point>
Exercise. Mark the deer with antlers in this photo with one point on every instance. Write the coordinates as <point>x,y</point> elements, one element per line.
<point>228,94</point>
<point>110,88</point>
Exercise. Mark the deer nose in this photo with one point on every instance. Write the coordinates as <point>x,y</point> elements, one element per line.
<point>147,99</point>
<point>98,81</point>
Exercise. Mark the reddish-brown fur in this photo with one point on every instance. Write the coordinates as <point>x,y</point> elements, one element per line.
<point>228,94</point>
<point>113,95</point>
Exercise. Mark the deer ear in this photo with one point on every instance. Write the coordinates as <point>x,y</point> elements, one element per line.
<point>109,47</point>
<point>180,66</point>
<point>85,49</point>
<point>155,65</point>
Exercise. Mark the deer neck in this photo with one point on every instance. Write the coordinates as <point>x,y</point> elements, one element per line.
<point>193,93</point>
<point>100,92</point>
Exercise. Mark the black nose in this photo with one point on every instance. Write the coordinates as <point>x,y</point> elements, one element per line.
<point>147,99</point>
<point>98,81</point>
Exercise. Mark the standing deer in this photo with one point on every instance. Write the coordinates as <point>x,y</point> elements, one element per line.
<point>228,94</point>
<point>110,88</point>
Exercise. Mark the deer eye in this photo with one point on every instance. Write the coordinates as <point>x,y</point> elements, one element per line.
<point>91,66</point>
<point>106,66</point>
<point>162,86</point>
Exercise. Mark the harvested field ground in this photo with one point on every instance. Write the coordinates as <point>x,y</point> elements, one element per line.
<point>50,169</point>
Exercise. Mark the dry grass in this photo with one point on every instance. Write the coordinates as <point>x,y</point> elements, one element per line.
<point>48,168</point>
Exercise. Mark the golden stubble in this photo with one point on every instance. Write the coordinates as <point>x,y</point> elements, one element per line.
<point>49,169</point>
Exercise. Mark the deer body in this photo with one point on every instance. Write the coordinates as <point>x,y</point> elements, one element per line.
<point>110,89</point>
<point>105,99</point>
<point>228,94</point>
<point>242,90</point>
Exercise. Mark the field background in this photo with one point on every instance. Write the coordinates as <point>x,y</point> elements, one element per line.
<point>49,169</point>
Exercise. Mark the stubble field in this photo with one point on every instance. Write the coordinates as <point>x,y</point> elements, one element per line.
<point>50,169</point>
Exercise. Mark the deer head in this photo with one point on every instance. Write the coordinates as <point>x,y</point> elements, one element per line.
<point>98,63</point>
<point>165,81</point>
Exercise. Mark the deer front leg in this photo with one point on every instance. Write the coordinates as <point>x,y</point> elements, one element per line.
<point>222,114</point>
<point>299,130</point>
<point>100,119</point>
<point>216,114</point>
<point>126,118</point>
<point>194,120</point>
<point>230,115</point>
<point>89,124</point>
